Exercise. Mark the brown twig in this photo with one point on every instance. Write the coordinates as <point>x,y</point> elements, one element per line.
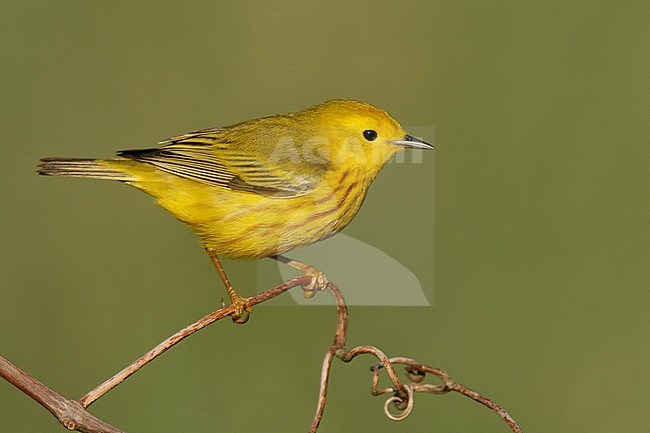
<point>403,395</point>
<point>322,395</point>
<point>161,348</point>
<point>452,385</point>
<point>73,415</point>
<point>70,413</point>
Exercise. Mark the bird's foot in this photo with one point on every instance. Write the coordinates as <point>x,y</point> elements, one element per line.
<point>243,308</point>
<point>319,282</point>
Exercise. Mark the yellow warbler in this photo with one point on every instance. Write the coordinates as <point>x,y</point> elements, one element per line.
<point>264,186</point>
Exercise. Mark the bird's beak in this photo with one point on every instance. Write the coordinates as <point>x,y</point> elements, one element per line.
<point>414,143</point>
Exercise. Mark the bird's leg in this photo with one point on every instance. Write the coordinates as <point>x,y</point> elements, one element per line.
<point>240,303</point>
<point>319,280</point>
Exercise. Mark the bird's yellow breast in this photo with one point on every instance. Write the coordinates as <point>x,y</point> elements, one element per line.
<point>242,224</point>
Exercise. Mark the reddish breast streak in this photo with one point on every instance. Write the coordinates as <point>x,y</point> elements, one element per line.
<point>347,193</point>
<point>345,175</point>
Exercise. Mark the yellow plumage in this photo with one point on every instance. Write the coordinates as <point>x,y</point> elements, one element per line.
<point>264,186</point>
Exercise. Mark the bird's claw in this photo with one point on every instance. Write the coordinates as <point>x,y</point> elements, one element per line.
<point>319,282</point>
<point>242,311</point>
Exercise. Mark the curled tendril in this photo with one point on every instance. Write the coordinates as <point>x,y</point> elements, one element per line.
<point>396,401</point>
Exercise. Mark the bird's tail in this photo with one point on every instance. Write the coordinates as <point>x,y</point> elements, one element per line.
<point>80,167</point>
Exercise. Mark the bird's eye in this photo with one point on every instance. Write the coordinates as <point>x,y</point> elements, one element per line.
<point>370,134</point>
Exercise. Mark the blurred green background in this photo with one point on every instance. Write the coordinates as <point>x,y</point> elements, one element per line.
<point>528,226</point>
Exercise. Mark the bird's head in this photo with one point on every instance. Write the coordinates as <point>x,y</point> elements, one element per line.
<point>358,134</point>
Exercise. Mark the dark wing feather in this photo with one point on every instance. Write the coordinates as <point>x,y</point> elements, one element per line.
<point>189,161</point>
<point>208,157</point>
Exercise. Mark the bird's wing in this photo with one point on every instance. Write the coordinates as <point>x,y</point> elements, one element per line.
<point>209,157</point>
